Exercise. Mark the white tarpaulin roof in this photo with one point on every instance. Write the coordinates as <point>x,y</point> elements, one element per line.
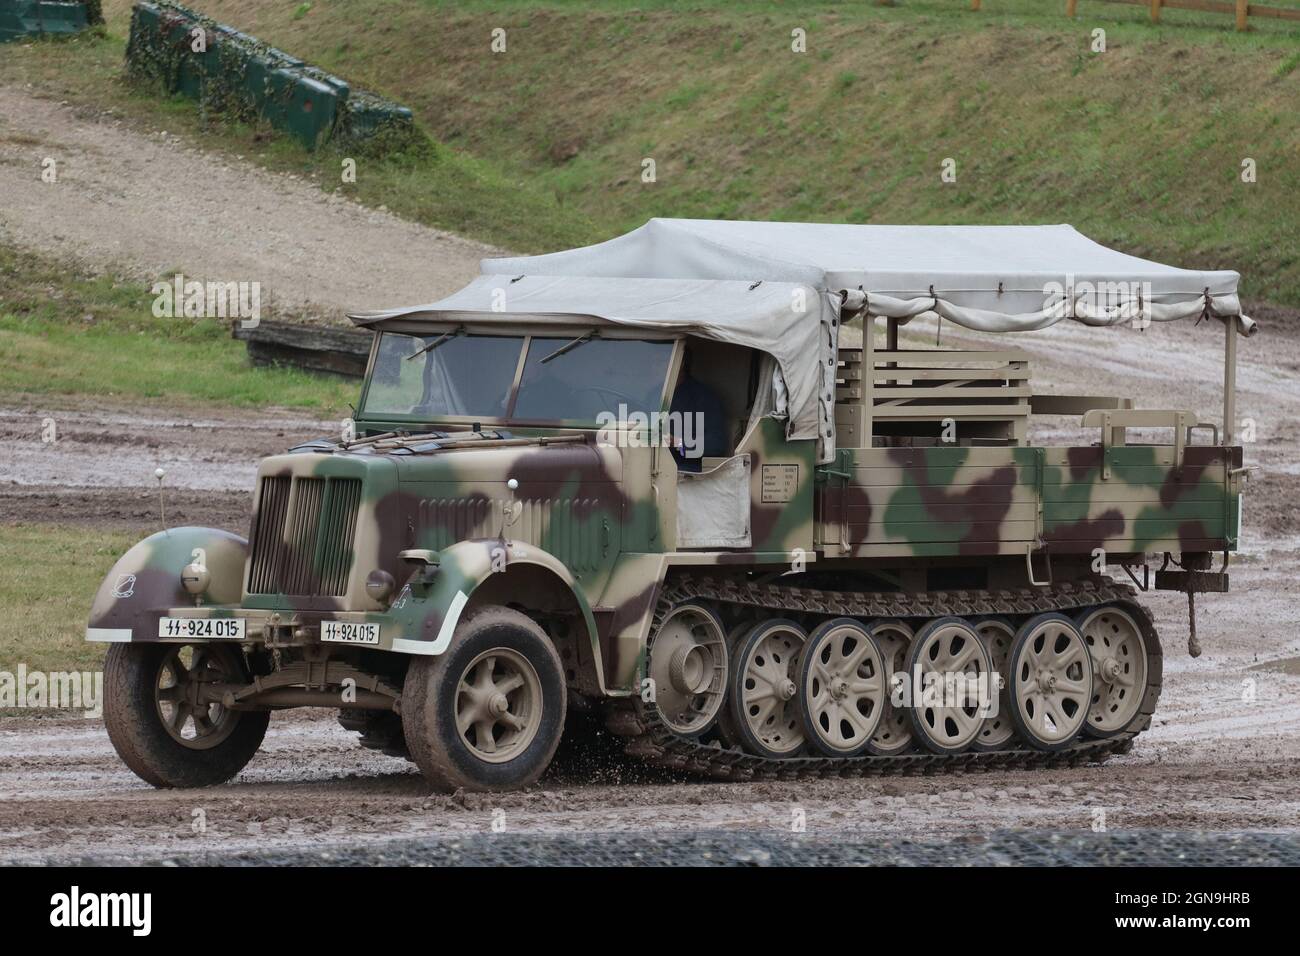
<point>745,282</point>
<point>1003,269</point>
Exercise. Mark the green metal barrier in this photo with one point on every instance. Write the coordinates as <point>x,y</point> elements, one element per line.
<point>23,18</point>
<point>239,75</point>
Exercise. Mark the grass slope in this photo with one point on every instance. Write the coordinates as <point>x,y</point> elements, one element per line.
<point>68,334</point>
<point>542,146</point>
<point>1141,146</point>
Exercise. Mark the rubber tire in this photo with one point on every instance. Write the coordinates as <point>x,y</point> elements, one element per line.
<point>136,730</point>
<point>429,705</point>
<point>725,726</point>
<point>1022,637</point>
<point>737,723</point>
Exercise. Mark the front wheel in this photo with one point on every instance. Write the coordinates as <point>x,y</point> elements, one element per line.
<point>488,713</point>
<point>163,720</point>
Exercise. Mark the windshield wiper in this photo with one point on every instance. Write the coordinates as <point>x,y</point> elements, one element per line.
<point>459,330</point>
<point>585,337</point>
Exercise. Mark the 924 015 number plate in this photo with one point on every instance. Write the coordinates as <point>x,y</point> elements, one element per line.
<point>204,628</point>
<point>346,632</point>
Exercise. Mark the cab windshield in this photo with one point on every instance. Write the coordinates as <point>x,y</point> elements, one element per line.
<point>564,378</point>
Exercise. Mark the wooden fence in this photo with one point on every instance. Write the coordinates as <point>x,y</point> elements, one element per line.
<point>1240,9</point>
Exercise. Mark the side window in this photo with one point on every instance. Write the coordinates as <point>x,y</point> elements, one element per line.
<point>716,388</point>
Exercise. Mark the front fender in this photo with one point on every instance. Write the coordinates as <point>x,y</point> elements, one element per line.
<point>146,581</point>
<point>433,610</point>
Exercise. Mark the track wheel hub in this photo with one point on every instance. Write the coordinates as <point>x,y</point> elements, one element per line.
<point>690,669</point>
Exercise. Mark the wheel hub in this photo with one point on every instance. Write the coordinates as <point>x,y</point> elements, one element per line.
<point>498,705</point>
<point>190,715</point>
<point>690,669</point>
<point>786,689</point>
<point>839,688</point>
<point>1110,669</point>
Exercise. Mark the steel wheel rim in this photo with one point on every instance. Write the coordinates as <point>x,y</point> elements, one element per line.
<point>188,715</point>
<point>894,732</point>
<point>688,664</point>
<point>768,691</point>
<point>498,705</point>
<point>845,686</point>
<point>1119,668</point>
<point>998,636</point>
<point>952,648</point>
<point>1053,682</point>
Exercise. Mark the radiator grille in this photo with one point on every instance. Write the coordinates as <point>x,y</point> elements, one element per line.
<point>569,528</point>
<point>303,535</point>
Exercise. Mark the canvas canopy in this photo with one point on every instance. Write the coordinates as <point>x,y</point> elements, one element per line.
<point>782,288</point>
<point>792,322</point>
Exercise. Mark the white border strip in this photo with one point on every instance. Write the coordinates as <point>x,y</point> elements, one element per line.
<point>404,646</point>
<point>112,635</point>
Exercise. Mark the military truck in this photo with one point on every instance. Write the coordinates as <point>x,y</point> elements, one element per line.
<point>703,482</point>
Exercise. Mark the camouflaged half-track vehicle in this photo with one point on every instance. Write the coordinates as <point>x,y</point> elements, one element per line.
<point>651,481</point>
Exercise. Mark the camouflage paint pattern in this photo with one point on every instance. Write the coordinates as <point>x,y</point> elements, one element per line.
<point>979,501</point>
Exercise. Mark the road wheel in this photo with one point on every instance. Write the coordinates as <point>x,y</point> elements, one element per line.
<point>488,713</point>
<point>161,718</point>
<point>764,711</point>
<point>1119,670</point>
<point>894,732</point>
<point>946,661</point>
<point>841,688</point>
<point>1050,681</point>
<point>688,664</point>
<point>998,730</point>
<point>726,728</point>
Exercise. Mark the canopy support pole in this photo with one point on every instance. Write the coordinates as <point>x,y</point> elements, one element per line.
<point>1229,379</point>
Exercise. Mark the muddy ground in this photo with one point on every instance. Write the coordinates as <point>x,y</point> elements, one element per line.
<point>1223,753</point>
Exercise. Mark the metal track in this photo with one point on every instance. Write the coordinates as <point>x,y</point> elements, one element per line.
<point>653,742</point>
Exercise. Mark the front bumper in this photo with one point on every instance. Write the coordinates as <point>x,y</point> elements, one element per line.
<point>407,628</point>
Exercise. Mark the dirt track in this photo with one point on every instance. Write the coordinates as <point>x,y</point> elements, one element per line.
<point>1213,760</point>
<point>315,254</point>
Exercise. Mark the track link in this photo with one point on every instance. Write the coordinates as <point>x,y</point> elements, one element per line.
<point>654,743</point>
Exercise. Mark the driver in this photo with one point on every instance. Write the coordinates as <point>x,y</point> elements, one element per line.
<point>693,397</point>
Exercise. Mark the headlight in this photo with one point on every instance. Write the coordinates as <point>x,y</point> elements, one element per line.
<point>379,585</point>
<point>195,578</point>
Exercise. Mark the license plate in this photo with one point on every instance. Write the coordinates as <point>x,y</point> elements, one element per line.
<point>222,628</point>
<point>345,632</point>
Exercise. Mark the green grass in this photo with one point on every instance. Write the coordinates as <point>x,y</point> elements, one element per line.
<point>51,575</point>
<point>541,147</point>
<point>68,334</point>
